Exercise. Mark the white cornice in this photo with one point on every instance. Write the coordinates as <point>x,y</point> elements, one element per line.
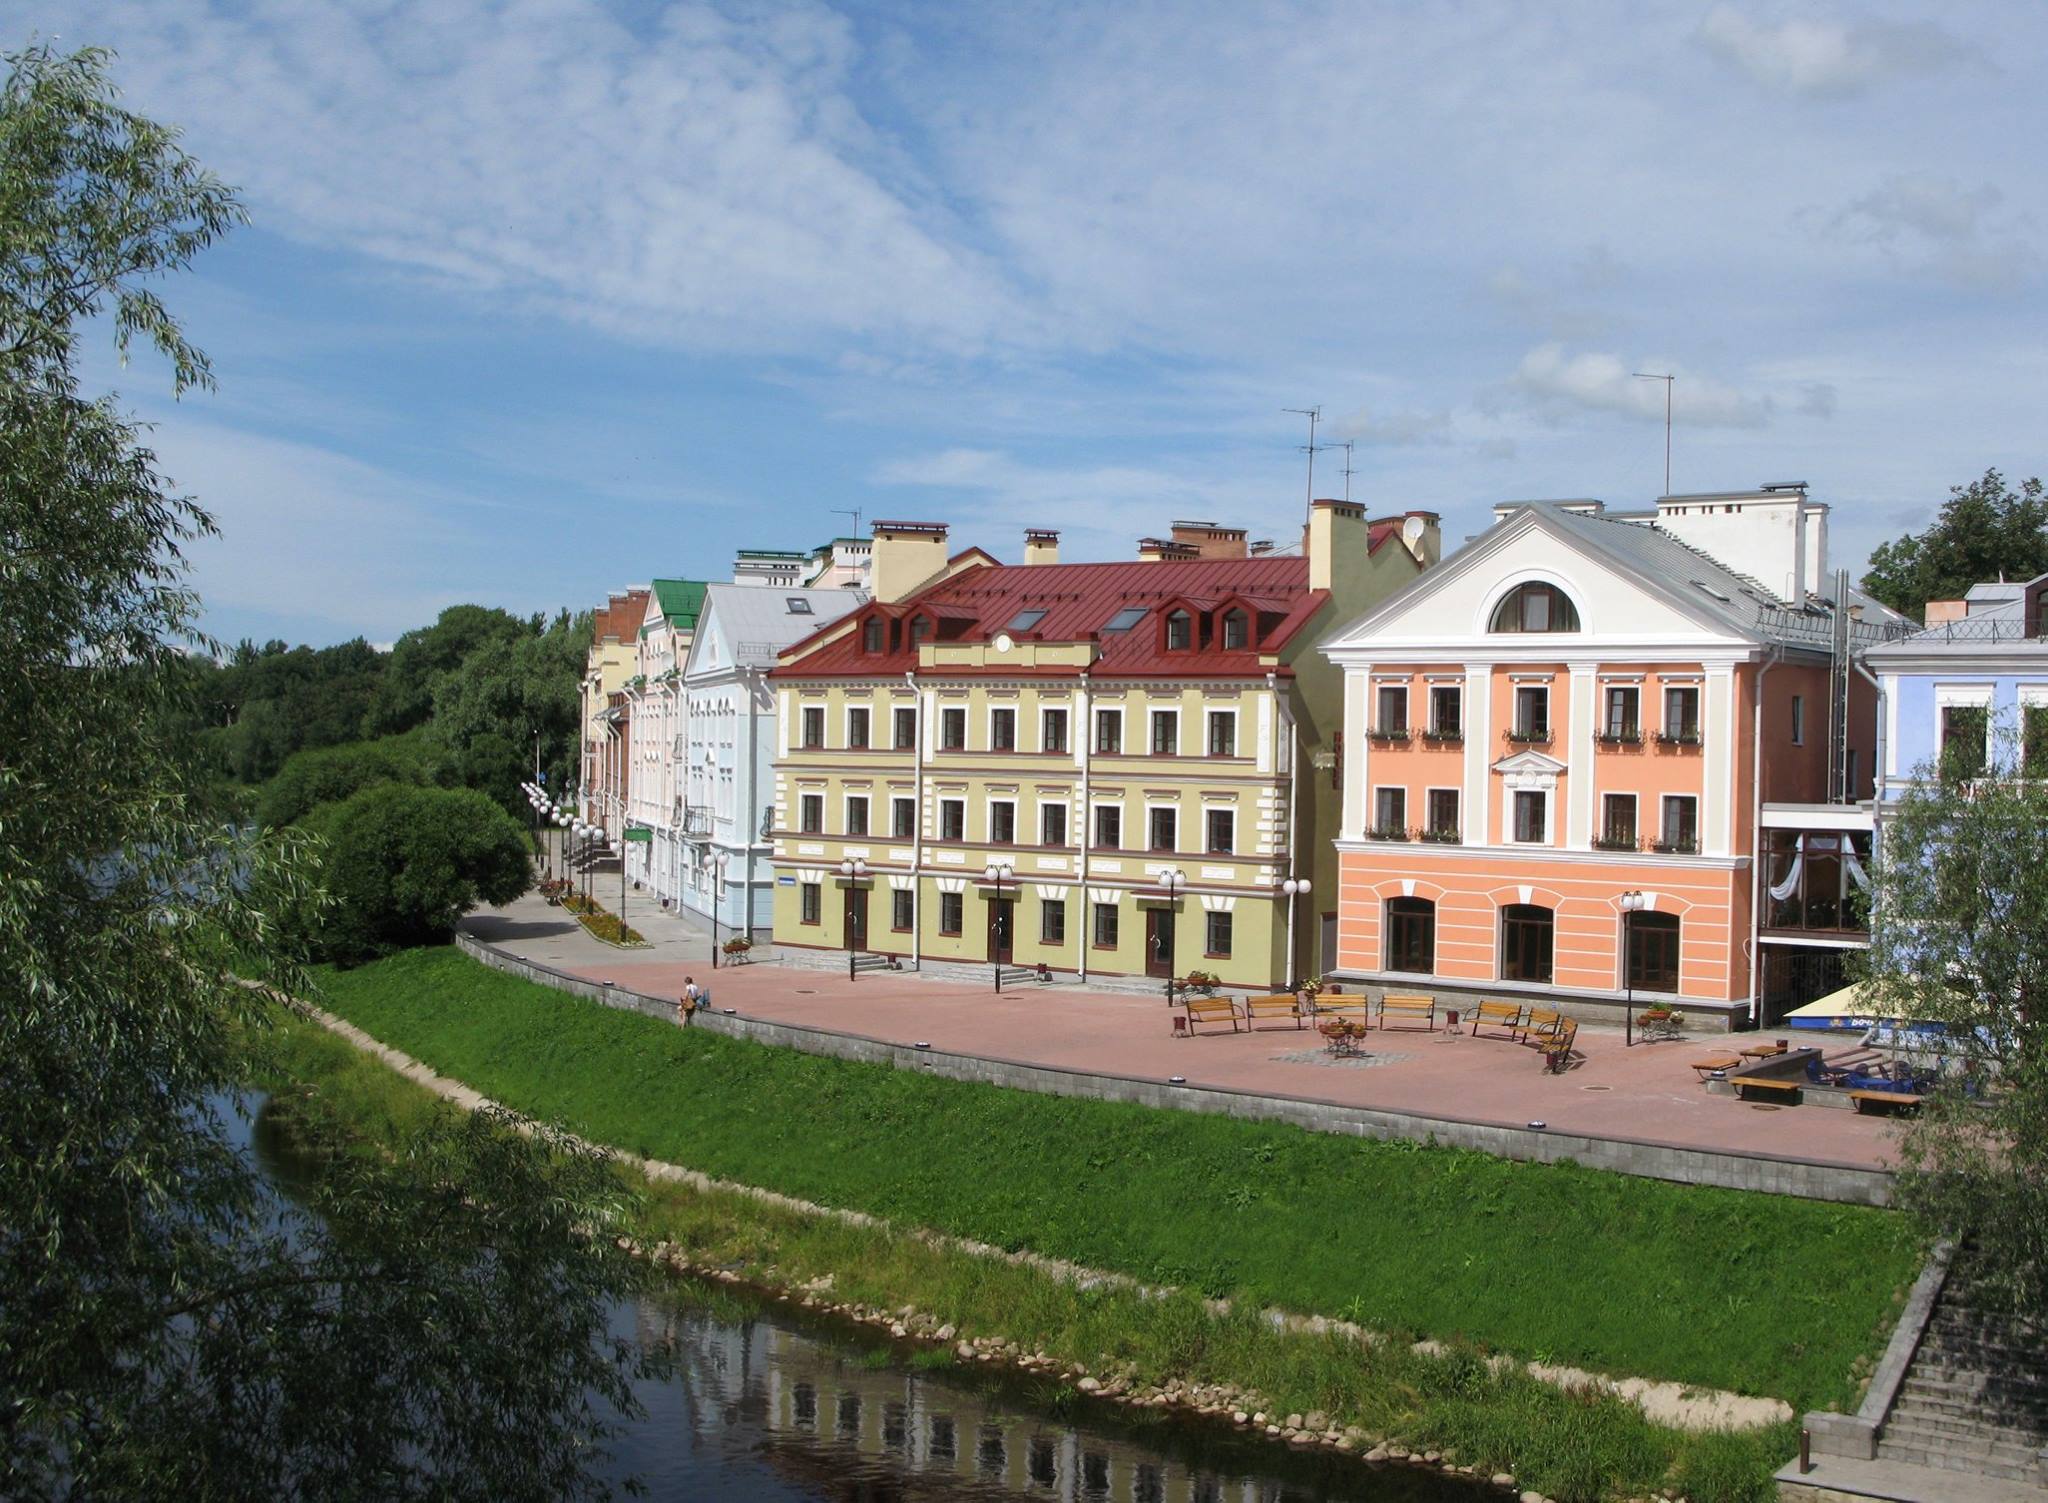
<point>1546,854</point>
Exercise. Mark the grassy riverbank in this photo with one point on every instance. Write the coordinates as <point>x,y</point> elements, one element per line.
<point>1755,1293</point>
<point>1568,1447</point>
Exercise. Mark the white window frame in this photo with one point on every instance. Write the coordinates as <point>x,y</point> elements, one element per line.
<point>1377,790</point>
<point>1209,729</point>
<point>1066,820</point>
<point>1508,835</point>
<point>940,818</point>
<point>1515,707</point>
<point>803,739</point>
<point>1457,693</point>
<point>1067,724</point>
<point>1209,812</point>
<point>1152,714</point>
<point>1664,803</point>
<point>846,726</point>
<point>989,726</point>
<point>1094,828</point>
<point>1456,792</point>
<point>1699,701</point>
<point>988,821</point>
<point>1636,812</point>
<point>1122,742</point>
<point>846,813</point>
<point>898,801</point>
<point>1148,848</point>
<point>945,712</point>
<point>1380,692</point>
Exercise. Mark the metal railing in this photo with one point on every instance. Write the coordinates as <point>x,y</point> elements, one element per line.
<point>1985,629</point>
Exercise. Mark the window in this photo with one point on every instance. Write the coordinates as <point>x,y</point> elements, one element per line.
<point>1162,827</point>
<point>1105,926</point>
<point>1390,813</point>
<point>796,605</point>
<point>952,728</point>
<point>1621,719</point>
<point>812,814</point>
<point>1681,715</point>
<point>920,629</point>
<point>2033,743</point>
<point>1681,830</point>
<point>1125,619</point>
<point>903,818</point>
<point>872,634</point>
<point>1798,720</point>
<point>906,729</point>
<point>1617,822</point>
<point>1052,824</point>
<point>1532,713</point>
<point>1179,631</point>
<point>1002,730</point>
<point>1446,713</point>
<point>1024,620</point>
<point>952,819</point>
<point>1443,816</point>
<point>950,909</point>
<point>1109,827</point>
<point>1109,731</point>
<point>1222,831</point>
<point>1165,732</point>
<point>1052,921</point>
<point>1052,731</point>
<point>1217,939</point>
<point>902,905</point>
<point>1390,710</point>
<point>1002,823</point>
<point>1223,733</point>
<point>1411,936</point>
<point>1530,809</point>
<point>857,815</point>
<point>857,729</point>
<point>1535,607</point>
<point>1233,631</point>
<point>1652,951</point>
<point>813,902</point>
<point>1526,932</point>
<point>1964,736</point>
<point>814,727</point>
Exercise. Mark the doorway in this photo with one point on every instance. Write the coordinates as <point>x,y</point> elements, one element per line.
<point>1000,929</point>
<point>1158,941</point>
<point>856,918</point>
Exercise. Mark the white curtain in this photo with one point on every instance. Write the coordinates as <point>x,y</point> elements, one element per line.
<point>1790,885</point>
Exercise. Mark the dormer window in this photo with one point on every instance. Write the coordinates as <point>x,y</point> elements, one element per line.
<point>1179,631</point>
<point>1535,607</point>
<point>920,629</point>
<point>872,633</point>
<point>1233,631</point>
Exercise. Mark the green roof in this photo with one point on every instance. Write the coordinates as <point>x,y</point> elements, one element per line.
<point>681,600</point>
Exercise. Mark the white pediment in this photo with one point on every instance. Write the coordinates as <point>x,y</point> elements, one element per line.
<point>1529,770</point>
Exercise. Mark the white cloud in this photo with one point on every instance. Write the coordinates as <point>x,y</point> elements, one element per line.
<point>1826,58</point>
<point>1935,221</point>
<point>1379,426</point>
<point>1555,381</point>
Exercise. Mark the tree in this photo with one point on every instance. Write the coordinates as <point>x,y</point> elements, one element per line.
<point>159,1335</point>
<point>404,863</point>
<point>425,655</point>
<point>329,774</point>
<point>489,711</point>
<point>1986,531</point>
<point>1959,936</point>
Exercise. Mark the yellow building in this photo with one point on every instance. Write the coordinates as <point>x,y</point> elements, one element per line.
<point>1107,769</point>
<point>602,713</point>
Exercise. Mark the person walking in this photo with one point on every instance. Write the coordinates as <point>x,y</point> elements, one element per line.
<point>687,1006</point>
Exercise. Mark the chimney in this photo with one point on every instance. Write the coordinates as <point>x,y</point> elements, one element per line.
<point>1164,550</point>
<point>1210,539</point>
<point>1041,545</point>
<point>1331,525</point>
<point>907,555</point>
<point>1422,535</point>
<point>1939,611</point>
<point>1261,547</point>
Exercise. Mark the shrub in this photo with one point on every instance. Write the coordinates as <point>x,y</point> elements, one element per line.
<point>404,863</point>
<point>331,774</point>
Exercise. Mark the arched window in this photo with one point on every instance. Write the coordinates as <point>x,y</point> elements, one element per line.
<point>1652,951</point>
<point>1179,631</point>
<point>1526,933</point>
<point>871,634</point>
<point>1411,936</point>
<point>1233,630</point>
<point>920,629</point>
<point>1535,607</point>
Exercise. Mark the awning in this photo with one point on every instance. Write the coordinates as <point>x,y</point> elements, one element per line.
<point>1845,1006</point>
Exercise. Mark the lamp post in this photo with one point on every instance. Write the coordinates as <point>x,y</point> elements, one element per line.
<point>1173,879</point>
<point>999,872</point>
<point>1632,903</point>
<point>1294,887</point>
<point>715,864</point>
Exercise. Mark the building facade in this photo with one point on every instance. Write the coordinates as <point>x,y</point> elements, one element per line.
<point>727,742</point>
<point>603,714</point>
<point>653,798</point>
<point>1107,769</point>
<point>1571,748</point>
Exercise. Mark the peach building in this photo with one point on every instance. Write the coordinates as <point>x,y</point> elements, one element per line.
<point>1561,745</point>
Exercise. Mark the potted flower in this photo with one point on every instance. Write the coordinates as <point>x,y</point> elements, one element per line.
<point>739,944</point>
<point>1204,982</point>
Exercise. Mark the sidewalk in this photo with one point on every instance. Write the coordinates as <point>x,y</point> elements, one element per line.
<point>1646,1094</point>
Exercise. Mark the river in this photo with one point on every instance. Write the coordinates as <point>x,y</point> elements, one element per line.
<point>765,1404</point>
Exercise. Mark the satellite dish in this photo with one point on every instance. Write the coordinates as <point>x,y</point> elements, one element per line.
<point>1002,642</point>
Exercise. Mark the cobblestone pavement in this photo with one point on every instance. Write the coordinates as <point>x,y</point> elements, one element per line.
<point>1646,1093</point>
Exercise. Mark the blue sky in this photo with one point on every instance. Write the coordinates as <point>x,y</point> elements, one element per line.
<point>546,297</point>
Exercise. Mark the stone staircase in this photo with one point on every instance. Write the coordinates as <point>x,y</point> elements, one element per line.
<point>1975,1398</point>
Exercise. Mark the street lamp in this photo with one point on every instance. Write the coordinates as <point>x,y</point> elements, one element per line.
<point>715,864</point>
<point>1173,879</point>
<point>1632,903</point>
<point>999,872</point>
<point>1293,887</point>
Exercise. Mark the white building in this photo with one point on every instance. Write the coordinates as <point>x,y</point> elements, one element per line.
<point>654,731</point>
<point>727,743</point>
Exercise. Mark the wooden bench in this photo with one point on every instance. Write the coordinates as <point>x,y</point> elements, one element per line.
<point>1275,1005</point>
<point>1904,1101</point>
<point>1344,1006</point>
<point>1557,1049</point>
<point>1707,1067</point>
<point>1778,1088</point>
<point>1210,1010</point>
<point>1408,1005</point>
<point>1506,1015</point>
<point>1540,1026</point>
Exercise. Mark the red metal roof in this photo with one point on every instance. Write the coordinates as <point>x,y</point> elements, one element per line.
<point>1078,601</point>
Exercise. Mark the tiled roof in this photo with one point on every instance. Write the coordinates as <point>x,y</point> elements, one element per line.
<point>680,600</point>
<point>1079,600</point>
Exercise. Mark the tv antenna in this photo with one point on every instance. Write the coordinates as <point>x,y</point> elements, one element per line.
<point>1668,381</point>
<point>849,511</point>
<point>1348,471</point>
<point>1314,415</point>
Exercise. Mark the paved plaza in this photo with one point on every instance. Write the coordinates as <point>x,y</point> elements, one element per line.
<point>1647,1093</point>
